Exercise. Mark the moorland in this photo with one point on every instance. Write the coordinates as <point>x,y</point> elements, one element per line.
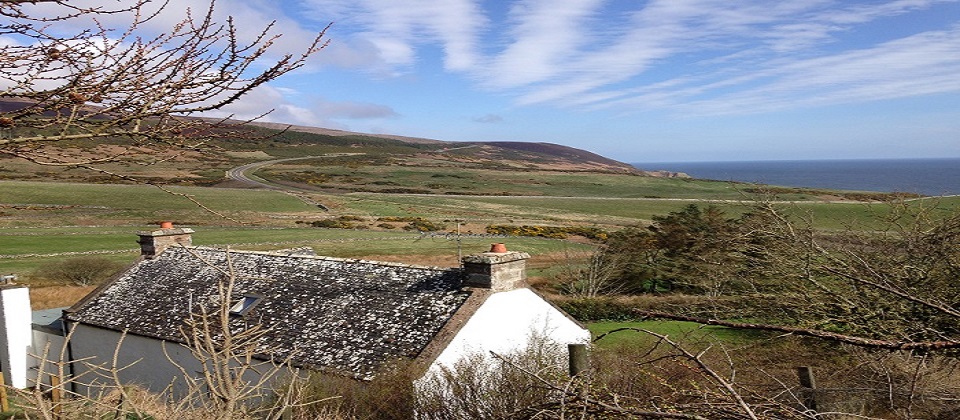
<point>373,186</point>
<point>367,190</point>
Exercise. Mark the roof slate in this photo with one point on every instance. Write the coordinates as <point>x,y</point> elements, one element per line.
<point>346,316</point>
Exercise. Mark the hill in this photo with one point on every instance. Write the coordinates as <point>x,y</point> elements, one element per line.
<point>267,141</point>
<point>543,156</point>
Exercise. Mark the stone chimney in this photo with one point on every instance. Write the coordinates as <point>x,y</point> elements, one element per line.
<point>498,269</point>
<point>153,243</point>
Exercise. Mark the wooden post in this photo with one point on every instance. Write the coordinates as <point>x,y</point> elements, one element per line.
<point>4,404</point>
<point>809,393</point>
<point>579,358</point>
<point>55,396</point>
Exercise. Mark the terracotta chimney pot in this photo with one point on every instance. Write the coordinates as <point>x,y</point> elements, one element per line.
<point>166,225</point>
<point>498,248</point>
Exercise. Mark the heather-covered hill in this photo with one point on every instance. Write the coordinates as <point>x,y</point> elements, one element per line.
<point>269,141</point>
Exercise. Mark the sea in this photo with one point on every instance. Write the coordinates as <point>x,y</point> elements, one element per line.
<point>931,177</point>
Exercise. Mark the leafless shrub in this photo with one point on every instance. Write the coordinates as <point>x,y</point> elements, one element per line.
<point>389,395</point>
<point>81,271</point>
<point>590,274</point>
<point>481,386</point>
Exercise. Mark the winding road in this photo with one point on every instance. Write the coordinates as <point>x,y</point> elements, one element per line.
<point>244,174</point>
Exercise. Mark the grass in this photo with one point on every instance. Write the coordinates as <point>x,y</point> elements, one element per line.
<point>47,242</point>
<point>675,330</point>
<point>38,203</point>
<point>58,296</point>
<point>613,212</point>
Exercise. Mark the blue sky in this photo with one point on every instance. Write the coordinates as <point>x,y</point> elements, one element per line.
<point>637,81</point>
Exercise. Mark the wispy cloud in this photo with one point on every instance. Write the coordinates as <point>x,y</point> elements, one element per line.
<point>689,56</point>
<point>396,28</point>
<point>702,56</point>
<point>922,64</point>
<point>319,113</point>
<point>488,119</point>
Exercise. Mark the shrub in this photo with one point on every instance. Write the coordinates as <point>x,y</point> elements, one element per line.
<point>481,387</point>
<point>342,222</point>
<point>81,271</point>
<point>423,225</point>
<point>596,309</point>
<point>397,219</point>
<point>552,232</point>
<point>388,396</point>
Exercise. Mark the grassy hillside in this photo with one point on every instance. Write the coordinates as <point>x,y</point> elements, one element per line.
<point>384,187</point>
<point>57,204</point>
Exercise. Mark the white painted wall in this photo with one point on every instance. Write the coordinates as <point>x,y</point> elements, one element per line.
<point>505,323</point>
<point>16,335</point>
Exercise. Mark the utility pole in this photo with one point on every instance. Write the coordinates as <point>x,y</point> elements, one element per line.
<point>459,245</point>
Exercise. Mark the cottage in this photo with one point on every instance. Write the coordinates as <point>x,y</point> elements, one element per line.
<point>339,316</point>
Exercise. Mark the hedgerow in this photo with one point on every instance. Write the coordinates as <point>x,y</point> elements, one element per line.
<point>553,232</point>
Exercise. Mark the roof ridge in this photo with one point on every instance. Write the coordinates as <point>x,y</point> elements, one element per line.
<point>324,258</point>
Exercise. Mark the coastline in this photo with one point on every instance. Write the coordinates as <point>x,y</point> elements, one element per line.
<point>931,177</point>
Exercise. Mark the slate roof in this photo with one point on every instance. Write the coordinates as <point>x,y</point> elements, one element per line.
<point>338,315</point>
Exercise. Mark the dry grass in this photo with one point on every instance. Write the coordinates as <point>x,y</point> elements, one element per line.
<point>57,296</point>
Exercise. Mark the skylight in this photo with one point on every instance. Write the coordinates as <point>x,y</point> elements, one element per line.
<point>245,304</point>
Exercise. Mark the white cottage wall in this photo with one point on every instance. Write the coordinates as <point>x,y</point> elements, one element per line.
<point>505,322</point>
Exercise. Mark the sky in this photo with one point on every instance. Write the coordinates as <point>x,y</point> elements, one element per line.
<point>636,81</point>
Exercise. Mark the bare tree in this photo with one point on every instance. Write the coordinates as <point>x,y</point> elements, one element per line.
<point>69,79</point>
<point>590,274</point>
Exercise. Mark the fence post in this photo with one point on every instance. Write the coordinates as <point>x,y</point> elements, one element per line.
<point>579,358</point>
<point>809,393</point>
<point>4,404</point>
<point>56,396</point>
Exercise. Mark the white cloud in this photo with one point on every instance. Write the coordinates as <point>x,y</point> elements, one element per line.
<point>397,28</point>
<point>776,53</point>
<point>542,36</point>
<point>488,119</point>
<point>922,64</point>
<point>319,113</point>
<point>353,110</point>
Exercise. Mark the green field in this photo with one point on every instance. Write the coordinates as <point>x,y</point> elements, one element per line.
<point>145,197</point>
<point>26,249</point>
<point>47,218</point>
<point>677,331</point>
<point>614,211</point>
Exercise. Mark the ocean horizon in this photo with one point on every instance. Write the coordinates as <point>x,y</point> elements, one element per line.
<point>933,177</point>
